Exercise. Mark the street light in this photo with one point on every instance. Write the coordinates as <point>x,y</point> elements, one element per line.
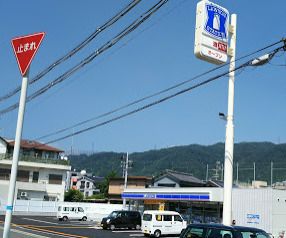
<point>262,60</point>
<point>222,116</point>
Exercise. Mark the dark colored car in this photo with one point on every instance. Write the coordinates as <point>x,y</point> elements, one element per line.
<point>221,231</point>
<point>122,219</point>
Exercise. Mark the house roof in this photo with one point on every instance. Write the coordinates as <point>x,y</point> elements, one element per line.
<point>86,178</point>
<point>217,183</point>
<point>180,177</point>
<point>94,179</point>
<point>146,178</point>
<point>29,144</point>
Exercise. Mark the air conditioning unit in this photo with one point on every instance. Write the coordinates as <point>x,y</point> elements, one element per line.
<point>23,194</point>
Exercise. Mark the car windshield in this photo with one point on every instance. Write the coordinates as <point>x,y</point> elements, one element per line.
<point>147,217</point>
<point>252,234</point>
<point>113,214</point>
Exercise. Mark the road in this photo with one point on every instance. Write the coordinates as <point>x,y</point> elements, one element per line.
<point>42,227</point>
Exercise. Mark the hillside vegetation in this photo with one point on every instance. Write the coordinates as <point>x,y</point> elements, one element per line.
<point>193,159</point>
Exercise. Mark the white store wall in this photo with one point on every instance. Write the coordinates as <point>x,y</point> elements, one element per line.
<point>255,202</point>
<point>269,204</point>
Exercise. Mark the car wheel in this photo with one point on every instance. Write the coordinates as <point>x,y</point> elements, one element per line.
<point>104,227</point>
<point>112,227</point>
<point>157,233</point>
<point>84,219</point>
<point>65,218</point>
<point>137,227</point>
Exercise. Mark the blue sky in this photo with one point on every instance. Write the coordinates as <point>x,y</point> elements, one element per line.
<point>155,56</point>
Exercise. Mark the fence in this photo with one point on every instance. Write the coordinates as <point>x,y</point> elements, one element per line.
<point>95,211</point>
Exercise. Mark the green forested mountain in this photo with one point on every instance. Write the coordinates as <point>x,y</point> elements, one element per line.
<point>193,159</point>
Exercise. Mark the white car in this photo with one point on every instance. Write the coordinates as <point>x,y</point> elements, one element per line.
<point>71,212</point>
<point>157,223</point>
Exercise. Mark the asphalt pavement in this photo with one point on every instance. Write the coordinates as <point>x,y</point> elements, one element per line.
<point>15,233</point>
<point>50,227</point>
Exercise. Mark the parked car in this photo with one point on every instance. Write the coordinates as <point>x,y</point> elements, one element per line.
<point>157,223</point>
<point>122,219</point>
<point>222,231</point>
<point>71,212</point>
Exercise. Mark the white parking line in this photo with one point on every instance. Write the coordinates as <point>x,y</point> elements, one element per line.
<point>97,227</point>
<point>126,231</point>
<point>48,222</point>
<point>140,235</point>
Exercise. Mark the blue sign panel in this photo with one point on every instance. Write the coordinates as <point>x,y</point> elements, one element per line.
<point>253,218</point>
<point>216,21</point>
<point>9,208</point>
<point>169,196</point>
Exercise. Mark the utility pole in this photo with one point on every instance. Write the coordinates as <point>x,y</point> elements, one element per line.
<point>207,173</point>
<point>254,172</point>
<point>271,174</point>
<point>229,137</point>
<point>236,173</point>
<point>125,166</point>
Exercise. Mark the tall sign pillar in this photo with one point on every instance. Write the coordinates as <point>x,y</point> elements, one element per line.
<point>25,48</point>
<point>211,45</point>
<point>229,134</point>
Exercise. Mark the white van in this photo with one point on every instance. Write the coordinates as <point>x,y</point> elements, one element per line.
<point>71,212</point>
<point>157,223</point>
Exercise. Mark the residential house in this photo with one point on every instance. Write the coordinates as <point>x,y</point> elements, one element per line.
<point>116,186</point>
<point>84,182</point>
<point>171,178</point>
<point>41,171</point>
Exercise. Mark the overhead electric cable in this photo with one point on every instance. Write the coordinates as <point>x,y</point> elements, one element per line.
<point>92,56</point>
<point>68,55</point>
<point>152,95</point>
<point>248,63</point>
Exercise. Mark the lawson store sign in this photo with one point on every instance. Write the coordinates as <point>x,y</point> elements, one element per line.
<point>211,35</point>
<point>167,196</point>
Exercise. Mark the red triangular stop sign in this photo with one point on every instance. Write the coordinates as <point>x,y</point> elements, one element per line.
<point>25,47</point>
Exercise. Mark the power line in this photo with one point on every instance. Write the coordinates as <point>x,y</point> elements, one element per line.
<point>154,94</point>
<point>68,55</point>
<point>92,56</point>
<point>248,63</point>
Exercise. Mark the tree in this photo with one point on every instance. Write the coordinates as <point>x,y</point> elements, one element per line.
<point>105,184</point>
<point>73,195</point>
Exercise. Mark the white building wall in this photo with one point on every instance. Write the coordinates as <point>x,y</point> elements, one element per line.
<point>3,190</point>
<point>37,191</point>
<point>3,147</point>
<point>278,211</point>
<point>255,202</point>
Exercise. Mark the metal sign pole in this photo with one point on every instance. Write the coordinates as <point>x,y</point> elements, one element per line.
<point>229,138</point>
<point>12,185</point>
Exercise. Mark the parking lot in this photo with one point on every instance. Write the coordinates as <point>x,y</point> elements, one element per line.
<point>41,227</point>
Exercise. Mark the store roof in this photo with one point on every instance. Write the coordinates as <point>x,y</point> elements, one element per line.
<point>181,177</point>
